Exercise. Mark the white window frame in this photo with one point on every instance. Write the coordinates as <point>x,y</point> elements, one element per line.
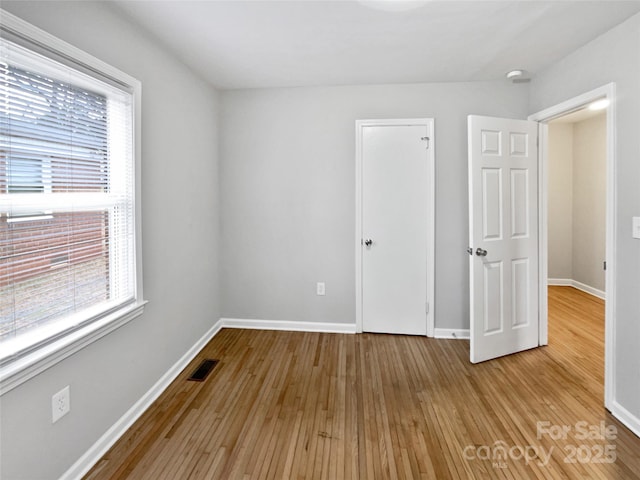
<point>23,367</point>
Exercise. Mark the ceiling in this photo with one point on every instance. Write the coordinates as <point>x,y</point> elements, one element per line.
<point>252,44</point>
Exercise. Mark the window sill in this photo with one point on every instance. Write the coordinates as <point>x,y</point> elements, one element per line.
<point>24,368</point>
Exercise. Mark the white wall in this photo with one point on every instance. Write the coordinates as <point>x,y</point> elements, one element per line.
<point>180,245</point>
<point>613,57</point>
<point>590,201</point>
<point>560,222</point>
<point>288,180</point>
<point>577,201</point>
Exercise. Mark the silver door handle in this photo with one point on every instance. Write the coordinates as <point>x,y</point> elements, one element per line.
<point>480,252</point>
<point>368,242</point>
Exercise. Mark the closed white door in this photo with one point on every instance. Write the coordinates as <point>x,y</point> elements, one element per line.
<point>503,228</point>
<point>396,224</point>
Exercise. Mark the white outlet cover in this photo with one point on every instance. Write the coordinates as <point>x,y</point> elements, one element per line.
<point>320,289</point>
<point>636,228</point>
<point>60,404</point>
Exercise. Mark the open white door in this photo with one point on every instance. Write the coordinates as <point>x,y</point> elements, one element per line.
<point>503,236</point>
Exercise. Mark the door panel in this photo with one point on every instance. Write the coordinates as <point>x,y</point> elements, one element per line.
<point>492,203</point>
<point>519,203</point>
<point>395,211</point>
<point>503,230</point>
<point>493,282</point>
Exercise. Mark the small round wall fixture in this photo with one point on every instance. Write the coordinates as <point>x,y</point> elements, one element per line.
<point>518,76</point>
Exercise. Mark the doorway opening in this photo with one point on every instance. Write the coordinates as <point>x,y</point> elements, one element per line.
<point>604,283</point>
<point>577,237</point>
<point>577,150</point>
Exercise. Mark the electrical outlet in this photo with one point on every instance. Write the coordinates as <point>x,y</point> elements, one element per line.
<point>60,404</point>
<point>636,228</point>
<point>320,288</point>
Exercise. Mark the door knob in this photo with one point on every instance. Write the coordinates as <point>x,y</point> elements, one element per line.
<point>481,253</point>
<point>368,242</point>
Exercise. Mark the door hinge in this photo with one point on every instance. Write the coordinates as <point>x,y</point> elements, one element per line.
<point>426,139</point>
<point>427,307</point>
<point>604,265</point>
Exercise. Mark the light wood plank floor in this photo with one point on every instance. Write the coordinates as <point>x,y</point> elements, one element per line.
<point>285,405</point>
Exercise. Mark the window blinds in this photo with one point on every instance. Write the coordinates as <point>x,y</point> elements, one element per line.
<point>67,252</point>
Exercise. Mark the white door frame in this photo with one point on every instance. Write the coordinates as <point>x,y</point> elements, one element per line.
<point>544,116</point>
<point>360,124</point>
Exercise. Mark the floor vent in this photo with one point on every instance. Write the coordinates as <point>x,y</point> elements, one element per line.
<point>203,370</point>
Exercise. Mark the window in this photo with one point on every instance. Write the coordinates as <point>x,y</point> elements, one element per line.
<point>68,233</point>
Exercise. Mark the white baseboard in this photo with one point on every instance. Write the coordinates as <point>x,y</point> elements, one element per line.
<point>104,443</point>
<point>590,290</point>
<point>567,282</point>
<point>627,418</point>
<point>257,324</point>
<point>452,333</point>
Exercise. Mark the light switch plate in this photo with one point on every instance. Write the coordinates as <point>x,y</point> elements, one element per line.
<point>636,228</point>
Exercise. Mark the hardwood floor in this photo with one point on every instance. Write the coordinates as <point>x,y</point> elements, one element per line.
<point>285,405</point>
